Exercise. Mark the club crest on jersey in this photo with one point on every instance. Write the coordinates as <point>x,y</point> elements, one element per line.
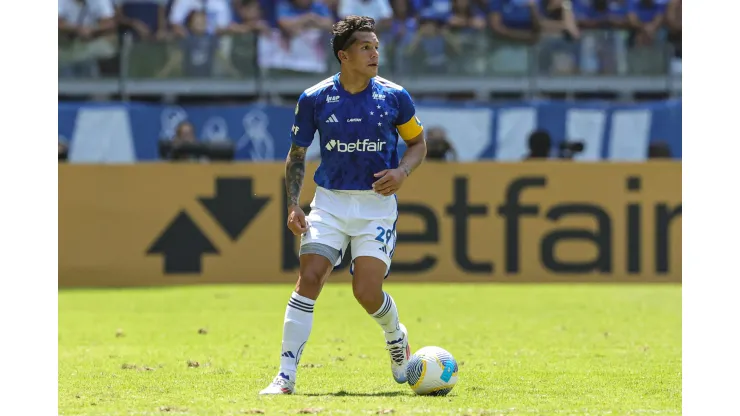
<point>377,96</point>
<point>332,99</point>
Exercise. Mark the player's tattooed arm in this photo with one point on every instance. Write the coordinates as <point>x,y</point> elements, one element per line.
<point>295,169</point>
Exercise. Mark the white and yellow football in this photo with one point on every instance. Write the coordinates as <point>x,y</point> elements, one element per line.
<point>432,371</point>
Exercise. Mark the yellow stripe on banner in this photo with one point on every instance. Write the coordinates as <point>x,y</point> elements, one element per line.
<point>410,129</point>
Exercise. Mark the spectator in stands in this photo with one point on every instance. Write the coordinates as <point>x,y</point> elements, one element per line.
<point>248,18</point>
<point>467,16</point>
<point>514,23</point>
<point>400,34</point>
<point>198,52</point>
<point>145,19</point>
<point>438,147</point>
<point>405,16</point>
<point>333,6</point>
<point>434,38</point>
<point>249,23</point>
<point>380,10</point>
<point>646,51</point>
<point>269,10</point>
<point>646,17</point>
<point>558,30</point>
<point>298,44</point>
<point>219,22</point>
<point>296,16</point>
<point>219,16</point>
<point>513,20</point>
<point>467,23</point>
<point>601,14</point>
<point>603,42</point>
<point>557,17</point>
<point>86,36</point>
<point>524,22</point>
<point>673,22</point>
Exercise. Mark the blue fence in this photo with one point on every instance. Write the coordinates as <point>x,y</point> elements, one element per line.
<point>126,133</point>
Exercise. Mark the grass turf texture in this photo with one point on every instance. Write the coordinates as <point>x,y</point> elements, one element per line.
<point>534,349</point>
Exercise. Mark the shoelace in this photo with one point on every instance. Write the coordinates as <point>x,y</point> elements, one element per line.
<point>398,353</point>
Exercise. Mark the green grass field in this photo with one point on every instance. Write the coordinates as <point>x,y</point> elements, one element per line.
<point>534,349</point>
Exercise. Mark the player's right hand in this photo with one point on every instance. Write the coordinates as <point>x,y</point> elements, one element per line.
<point>297,220</point>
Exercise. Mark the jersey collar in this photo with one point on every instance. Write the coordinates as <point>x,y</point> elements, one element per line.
<point>343,92</point>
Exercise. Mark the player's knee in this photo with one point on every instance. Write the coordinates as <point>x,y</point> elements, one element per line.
<point>313,271</point>
<point>367,294</point>
<point>310,279</point>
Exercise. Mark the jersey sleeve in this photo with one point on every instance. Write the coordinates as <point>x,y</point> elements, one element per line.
<point>407,123</point>
<point>304,127</point>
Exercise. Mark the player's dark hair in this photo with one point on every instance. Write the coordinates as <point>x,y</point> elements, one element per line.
<point>345,28</point>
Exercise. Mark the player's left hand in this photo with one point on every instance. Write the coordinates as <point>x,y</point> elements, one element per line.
<point>390,181</point>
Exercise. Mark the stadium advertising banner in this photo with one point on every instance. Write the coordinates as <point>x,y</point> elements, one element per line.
<point>125,133</point>
<point>160,224</point>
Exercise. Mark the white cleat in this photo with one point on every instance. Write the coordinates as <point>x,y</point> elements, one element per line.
<point>282,384</point>
<point>400,353</point>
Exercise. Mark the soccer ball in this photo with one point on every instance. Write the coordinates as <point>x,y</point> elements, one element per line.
<point>432,371</point>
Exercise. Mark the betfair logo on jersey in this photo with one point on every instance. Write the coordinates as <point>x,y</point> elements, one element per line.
<point>332,99</point>
<point>359,146</point>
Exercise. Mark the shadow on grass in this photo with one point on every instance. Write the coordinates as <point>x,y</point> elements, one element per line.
<point>343,393</point>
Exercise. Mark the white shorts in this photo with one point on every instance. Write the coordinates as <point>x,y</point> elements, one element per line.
<point>364,220</point>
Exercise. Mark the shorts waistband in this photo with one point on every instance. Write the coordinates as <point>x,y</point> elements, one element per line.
<point>352,192</point>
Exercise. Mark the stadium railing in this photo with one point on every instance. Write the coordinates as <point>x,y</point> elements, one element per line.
<point>473,62</point>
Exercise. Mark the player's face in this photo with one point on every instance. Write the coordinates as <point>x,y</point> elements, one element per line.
<point>363,54</point>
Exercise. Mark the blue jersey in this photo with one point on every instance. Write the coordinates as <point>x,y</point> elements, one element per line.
<point>358,133</point>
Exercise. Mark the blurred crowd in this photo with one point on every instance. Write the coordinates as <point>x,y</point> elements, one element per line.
<point>204,38</point>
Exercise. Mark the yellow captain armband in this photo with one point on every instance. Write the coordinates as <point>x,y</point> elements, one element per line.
<point>410,129</point>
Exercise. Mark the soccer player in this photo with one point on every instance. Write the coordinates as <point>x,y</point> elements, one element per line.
<point>359,116</point>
